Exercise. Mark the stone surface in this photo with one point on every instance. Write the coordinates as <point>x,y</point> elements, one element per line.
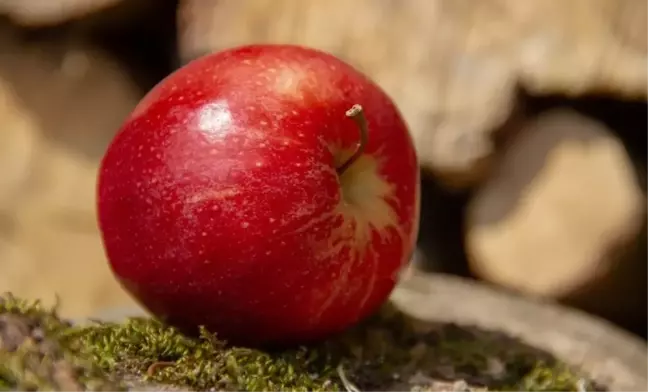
<point>59,104</point>
<point>39,12</point>
<point>559,214</point>
<point>452,66</point>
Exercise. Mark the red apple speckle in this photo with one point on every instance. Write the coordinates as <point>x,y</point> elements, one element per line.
<point>220,204</point>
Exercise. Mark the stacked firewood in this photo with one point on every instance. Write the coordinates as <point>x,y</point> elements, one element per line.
<point>528,114</point>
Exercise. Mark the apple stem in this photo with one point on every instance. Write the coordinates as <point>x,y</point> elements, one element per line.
<point>356,114</point>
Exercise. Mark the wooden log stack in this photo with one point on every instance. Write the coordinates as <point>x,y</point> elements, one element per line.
<point>551,195</point>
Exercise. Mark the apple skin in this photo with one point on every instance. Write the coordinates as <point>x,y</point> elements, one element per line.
<point>219,203</point>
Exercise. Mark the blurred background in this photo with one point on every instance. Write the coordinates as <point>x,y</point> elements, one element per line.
<point>529,118</point>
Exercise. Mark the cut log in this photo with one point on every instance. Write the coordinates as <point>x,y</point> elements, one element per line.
<point>50,12</point>
<point>561,215</point>
<point>433,302</point>
<point>68,101</point>
<point>610,355</point>
<point>18,141</point>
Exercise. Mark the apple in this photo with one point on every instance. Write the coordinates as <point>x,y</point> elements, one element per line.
<point>267,192</point>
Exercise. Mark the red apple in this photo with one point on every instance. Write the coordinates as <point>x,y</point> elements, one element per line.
<point>229,197</point>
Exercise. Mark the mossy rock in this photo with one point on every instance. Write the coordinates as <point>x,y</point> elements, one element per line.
<point>437,333</point>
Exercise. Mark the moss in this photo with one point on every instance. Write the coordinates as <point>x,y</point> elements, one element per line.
<point>34,356</point>
<point>386,352</point>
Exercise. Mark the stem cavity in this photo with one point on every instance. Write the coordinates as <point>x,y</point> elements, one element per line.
<point>356,114</point>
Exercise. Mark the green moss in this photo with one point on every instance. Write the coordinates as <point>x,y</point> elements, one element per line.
<point>34,356</point>
<point>158,353</point>
<point>386,352</point>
